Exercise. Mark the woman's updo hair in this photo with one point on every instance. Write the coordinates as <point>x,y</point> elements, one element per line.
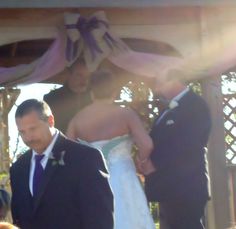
<point>102,83</point>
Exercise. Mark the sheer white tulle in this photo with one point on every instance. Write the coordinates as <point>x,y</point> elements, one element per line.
<point>131,208</point>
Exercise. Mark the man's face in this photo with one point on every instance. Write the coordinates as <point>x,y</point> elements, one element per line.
<point>35,132</point>
<point>78,80</point>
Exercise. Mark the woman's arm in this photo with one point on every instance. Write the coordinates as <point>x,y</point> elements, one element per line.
<point>143,142</point>
<point>139,134</point>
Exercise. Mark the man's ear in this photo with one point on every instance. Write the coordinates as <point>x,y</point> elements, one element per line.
<point>51,121</point>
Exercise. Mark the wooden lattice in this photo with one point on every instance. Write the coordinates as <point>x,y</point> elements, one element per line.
<point>229,103</point>
<point>142,100</point>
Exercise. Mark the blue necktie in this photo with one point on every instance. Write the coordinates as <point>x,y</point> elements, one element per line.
<point>38,173</point>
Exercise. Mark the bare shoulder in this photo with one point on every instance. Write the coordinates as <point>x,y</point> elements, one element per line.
<point>86,112</point>
<point>128,111</point>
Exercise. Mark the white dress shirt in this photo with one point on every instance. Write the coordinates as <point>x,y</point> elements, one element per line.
<point>180,95</point>
<point>47,154</point>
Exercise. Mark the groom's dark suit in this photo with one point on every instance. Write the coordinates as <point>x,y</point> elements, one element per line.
<point>180,136</point>
<point>75,195</point>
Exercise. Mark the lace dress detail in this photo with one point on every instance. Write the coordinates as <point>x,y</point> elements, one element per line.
<point>131,208</point>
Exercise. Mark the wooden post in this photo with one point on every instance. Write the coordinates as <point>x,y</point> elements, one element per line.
<point>218,213</point>
<point>232,196</point>
<point>7,99</point>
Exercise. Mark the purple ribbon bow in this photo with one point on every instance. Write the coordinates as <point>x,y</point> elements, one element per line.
<point>85,26</point>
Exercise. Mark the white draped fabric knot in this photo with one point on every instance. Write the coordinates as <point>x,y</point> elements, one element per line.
<point>90,37</point>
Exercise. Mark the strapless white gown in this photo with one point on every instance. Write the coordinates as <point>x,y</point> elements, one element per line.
<point>131,208</point>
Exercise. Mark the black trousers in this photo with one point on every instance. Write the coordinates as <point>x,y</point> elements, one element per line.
<point>182,214</point>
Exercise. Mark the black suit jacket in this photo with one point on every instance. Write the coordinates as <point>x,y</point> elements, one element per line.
<point>74,196</point>
<point>179,154</point>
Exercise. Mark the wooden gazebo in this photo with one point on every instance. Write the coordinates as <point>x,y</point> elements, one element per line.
<point>194,29</point>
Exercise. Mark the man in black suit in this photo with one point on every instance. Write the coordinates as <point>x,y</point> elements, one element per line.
<point>68,188</point>
<point>74,95</point>
<point>176,172</point>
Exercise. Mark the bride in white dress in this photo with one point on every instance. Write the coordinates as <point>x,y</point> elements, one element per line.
<point>114,130</point>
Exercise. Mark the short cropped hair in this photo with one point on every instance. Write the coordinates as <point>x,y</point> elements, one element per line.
<point>41,107</point>
<point>102,83</point>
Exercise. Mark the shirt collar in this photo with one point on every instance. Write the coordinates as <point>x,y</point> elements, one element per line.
<point>180,95</point>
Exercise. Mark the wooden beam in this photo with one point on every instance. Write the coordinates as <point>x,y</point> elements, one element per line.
<point>116,16</point>
<point>13,61</point>
<point>109,3</point>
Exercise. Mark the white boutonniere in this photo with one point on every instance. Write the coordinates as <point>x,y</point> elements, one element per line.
<point>58,158</point>
<point>173,104</point>
<point>170,122</point>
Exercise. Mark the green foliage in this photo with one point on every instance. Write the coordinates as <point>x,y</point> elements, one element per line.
<point>137,95</point>
<point>229,83</point>
<point>3,175</point>
<point>4,179</point>
<point>154,211</point>
<point>196,87</point>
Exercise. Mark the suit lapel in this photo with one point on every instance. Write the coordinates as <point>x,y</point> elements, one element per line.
<point>186,98</point>
<point>25,190</point>
<point>162,117</point>
<point>26,170</point>
<point>48,173</point>
<point>49,170</point>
